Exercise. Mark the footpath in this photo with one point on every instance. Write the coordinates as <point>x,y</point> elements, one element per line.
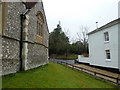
<point>99,71</point>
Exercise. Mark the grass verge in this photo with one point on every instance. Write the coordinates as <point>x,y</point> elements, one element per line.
<point>53,76</point>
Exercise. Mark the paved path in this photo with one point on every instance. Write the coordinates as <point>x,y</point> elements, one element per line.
<point>100,71</point>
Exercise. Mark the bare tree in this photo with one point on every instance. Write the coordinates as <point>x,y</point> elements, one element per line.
<point>83,37</point>
<point>67,32</point>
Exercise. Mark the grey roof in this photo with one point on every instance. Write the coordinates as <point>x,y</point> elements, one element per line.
<point>106,26</point>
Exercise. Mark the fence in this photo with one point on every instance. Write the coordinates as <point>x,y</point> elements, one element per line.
<point>112,79</point>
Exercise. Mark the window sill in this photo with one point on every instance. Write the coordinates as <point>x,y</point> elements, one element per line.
<point>108,60</point>
<point>106,42</point>
<point>39,39</point>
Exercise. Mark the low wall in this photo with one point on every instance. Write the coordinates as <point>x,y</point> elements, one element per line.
<point>83,59</point>
<point>59,60</point>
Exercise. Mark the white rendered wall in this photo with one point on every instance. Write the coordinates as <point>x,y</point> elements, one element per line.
<point>97,47</point>
<point>119,37</point>
<point>119,47</point>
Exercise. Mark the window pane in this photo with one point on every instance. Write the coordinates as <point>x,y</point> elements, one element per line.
<point>37,27</point>
<point>106,36</point>
<point>108,54</point>
<point>41,30</point>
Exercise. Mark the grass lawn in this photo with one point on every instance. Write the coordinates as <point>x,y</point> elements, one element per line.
<point>53,76</point>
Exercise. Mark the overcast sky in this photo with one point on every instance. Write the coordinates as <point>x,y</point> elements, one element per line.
<point>75,13</point>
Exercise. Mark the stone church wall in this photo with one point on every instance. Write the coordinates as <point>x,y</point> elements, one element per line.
<point>10,38</point>
<point>37,53</point>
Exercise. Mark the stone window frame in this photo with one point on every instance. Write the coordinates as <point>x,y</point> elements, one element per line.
<point>3,15</point>
<point>40,27</point>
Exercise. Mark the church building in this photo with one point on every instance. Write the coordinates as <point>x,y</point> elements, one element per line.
<point>24,36</point>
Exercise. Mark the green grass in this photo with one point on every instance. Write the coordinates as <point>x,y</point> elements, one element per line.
<point>53,76</point>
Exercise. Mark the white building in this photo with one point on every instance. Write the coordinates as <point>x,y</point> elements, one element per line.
<point>104,46</point>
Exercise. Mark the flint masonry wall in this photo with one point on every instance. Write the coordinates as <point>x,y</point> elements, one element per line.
<point>0,38</point>
<point>37,53</point>
<point>10,39</point>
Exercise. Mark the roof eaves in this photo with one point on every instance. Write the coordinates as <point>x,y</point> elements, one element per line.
<point>106,26</point>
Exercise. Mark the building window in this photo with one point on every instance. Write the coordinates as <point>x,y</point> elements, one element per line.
<point>106,36</point>
<point>108,54</point>
<point>40,28</point>
<point>40,22</point>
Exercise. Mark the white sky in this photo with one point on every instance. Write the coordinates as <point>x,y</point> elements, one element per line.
<point>75,13</point>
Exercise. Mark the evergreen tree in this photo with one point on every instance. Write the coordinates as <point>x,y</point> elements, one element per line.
<point>58,42</point>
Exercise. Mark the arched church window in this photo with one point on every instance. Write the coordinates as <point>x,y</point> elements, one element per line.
<point>40,22</point>
<point>40,27</point>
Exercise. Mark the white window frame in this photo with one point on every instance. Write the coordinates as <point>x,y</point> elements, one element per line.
<point>107,52</point>
<point>106,36</point>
